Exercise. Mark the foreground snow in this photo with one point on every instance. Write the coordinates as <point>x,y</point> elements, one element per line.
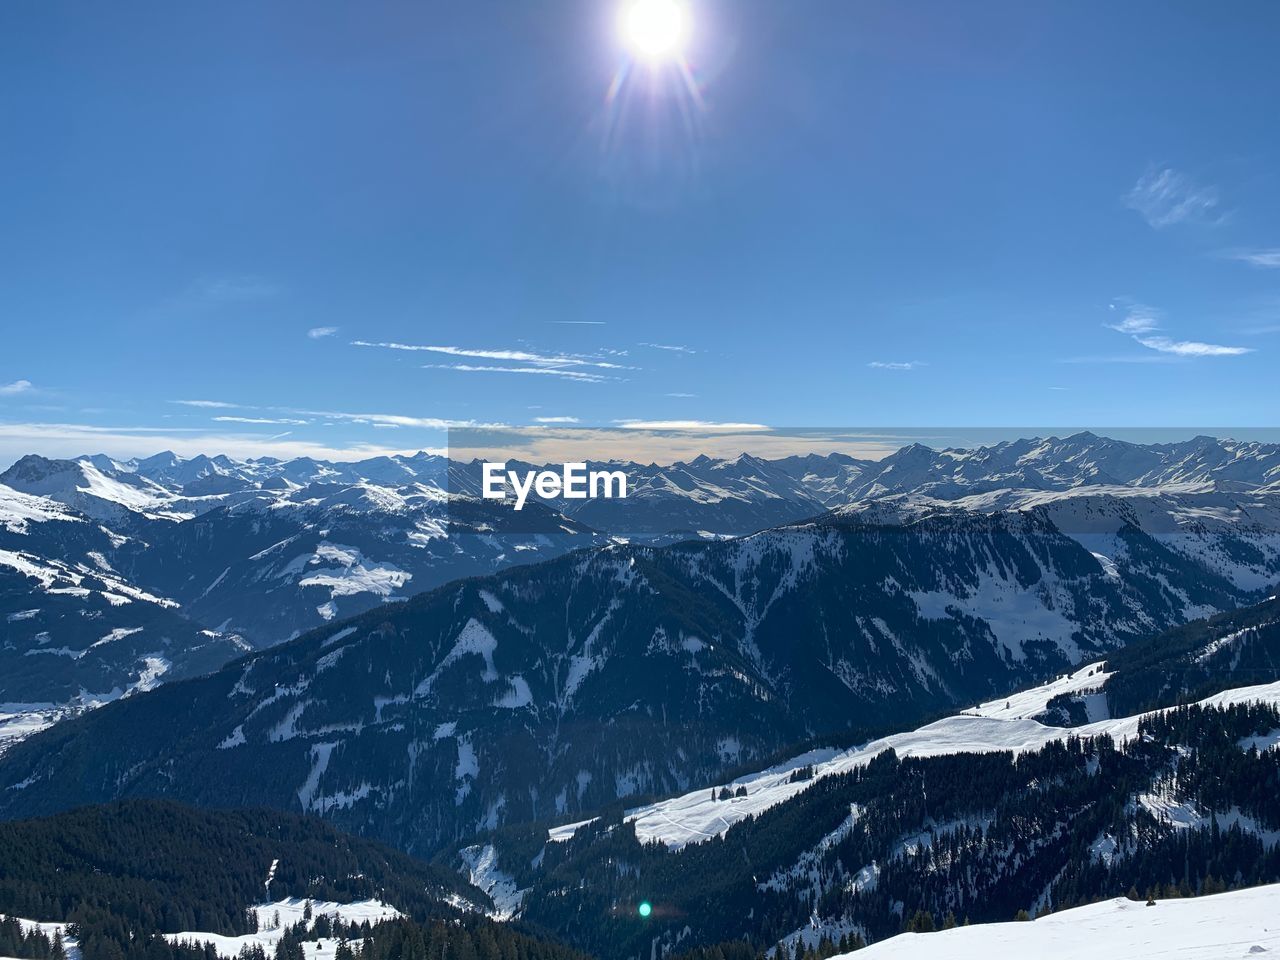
<point>1243,923</point>
<point>698,816</point>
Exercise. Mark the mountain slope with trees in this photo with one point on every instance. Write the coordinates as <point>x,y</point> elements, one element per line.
<point>118,876</point>
<point>557,689</point>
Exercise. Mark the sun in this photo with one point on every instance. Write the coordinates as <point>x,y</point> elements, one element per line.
<point>654,30</point>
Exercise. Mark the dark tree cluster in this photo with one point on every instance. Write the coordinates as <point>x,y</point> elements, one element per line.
<point>123,874</point>
<point>923,844</point>
<point>29,943</point>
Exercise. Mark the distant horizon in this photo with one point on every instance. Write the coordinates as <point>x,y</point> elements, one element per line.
<point>561,444</point>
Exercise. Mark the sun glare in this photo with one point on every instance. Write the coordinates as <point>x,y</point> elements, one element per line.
<point>655,30</point>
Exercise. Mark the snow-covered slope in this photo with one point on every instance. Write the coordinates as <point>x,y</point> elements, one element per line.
<point>990,727</point>
<point>981,815</point>
<point>1241,923</point>
<point>274,918</point>
<point>69,942</point>
<point>76,630</point>
<point>1235,535</point>
<point>83,485</point>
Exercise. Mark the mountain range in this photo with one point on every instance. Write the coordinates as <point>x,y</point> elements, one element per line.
<point>603,688</point>
<point>166,567</point>
<point>554,689</point>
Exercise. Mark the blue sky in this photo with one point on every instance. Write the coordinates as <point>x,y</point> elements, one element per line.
<point>992,213</point>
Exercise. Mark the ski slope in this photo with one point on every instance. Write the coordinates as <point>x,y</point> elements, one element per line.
<point>990,727</point>
<point>1242,923</point>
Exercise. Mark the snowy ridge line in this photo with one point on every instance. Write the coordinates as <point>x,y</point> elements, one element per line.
<point>1241,923</point>
<point>698,816</point>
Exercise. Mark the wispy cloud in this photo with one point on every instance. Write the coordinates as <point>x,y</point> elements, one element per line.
<point>15,388</point>
<point>1191,348</point>
<point>682,396</point>
<point>207,404</point>
<point>1140,322</point>
<point>1138,318</point>
<point>896,364</point>
<point>1164,197</point>
<point>1269,258</point>
<point>580,323</point>
<point>316,333</point>
<point>515,356</point>
<point>291,416</point>
<point>262,420</point>
<point>687,425</point>
<point>670,347</point>
<point>390,419</point>
<point>563,374</point>
<point>555,420</point>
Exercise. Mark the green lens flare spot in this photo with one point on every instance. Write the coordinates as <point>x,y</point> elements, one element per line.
<point>645,908</point>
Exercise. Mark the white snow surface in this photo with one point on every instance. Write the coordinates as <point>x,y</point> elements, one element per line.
<point>21,720</point>
<point>18,509</point>
<point>1242,923</point>
<point>698,816</point>
<point>49,928</point>
<point>1029,703</point>
<point>345,571</point>
<point>290,912</point>
<point>482,868</point>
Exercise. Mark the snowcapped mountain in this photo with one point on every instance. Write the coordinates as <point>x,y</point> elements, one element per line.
<point>882,610</point>
<point>270,549</point>
<point>1234,535</point>
<point>271,568</point>
<point>111,494</point>
<point>1082,459</point>
<point>730,496</point>
<point>74,627</point>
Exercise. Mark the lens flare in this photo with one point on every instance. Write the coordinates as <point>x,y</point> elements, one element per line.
<point>655,30</point>
<point>645,908</point>
<point>651,121</point>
